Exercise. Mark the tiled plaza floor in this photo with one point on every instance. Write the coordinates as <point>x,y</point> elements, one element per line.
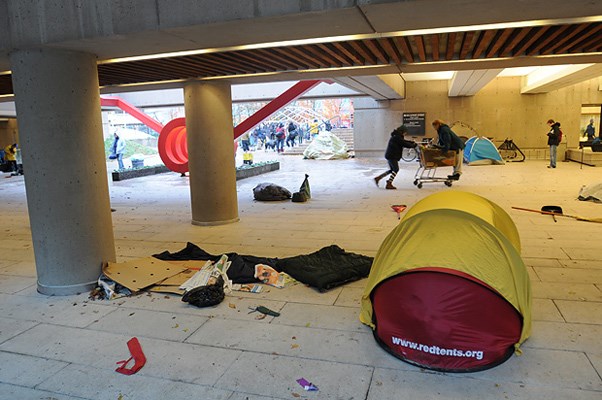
<point>66,347</point>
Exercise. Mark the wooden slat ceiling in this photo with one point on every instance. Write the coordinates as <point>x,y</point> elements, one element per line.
<point>580,38</point>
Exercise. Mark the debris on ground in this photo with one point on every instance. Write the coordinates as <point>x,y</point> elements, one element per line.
<point>398,208</point>
<point>308,386</point>
<point>136,354</point>
<point>264,310</point>
<point>141,273</point>
<point>193,268</point>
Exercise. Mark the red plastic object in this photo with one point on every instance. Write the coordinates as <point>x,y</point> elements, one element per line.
<point>137,355</point>
<point>172,145</point>
<point>398,208</point>
<point>444,320</point>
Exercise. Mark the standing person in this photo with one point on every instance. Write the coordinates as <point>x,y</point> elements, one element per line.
<point>292,135</point>
<point>119,146</point>
<point>448,140</point>
<point>393,155</point>
<point>590,130</point>
<point>554,137</point>
<point>10,153</point>
<point>314,129</point>
<point>245,141</point>
<point>280,135</point>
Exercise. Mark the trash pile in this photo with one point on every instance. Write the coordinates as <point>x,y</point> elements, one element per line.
<point>266,191</point>
<point>204,279</point>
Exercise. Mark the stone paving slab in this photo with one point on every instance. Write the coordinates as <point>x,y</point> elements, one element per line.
<point>102,384</point>
<point>569,275</point>
<point>12,392</point>
<point>350,297</point>
<point>24,268</point>
<point>318,316</point>
<point>165,359</point>
<point>545,310</point>
<point>11,327</point>
<point>246,396</point>
<point>541,367</point>
<point>277,375</point>
<point>565,336</point>
<point>22,370</point>
<point>596,360</point>
<point>409,385</point>
<point>298,293</point>
<point>566,291</point>
<point>13,284</point>
<point>581,312</point>
<point>66,310</point>
<point>235,306</point>
<point>582,264</point>
<point>542,262</point>
<point>295,341</point>
<point>154,324</point>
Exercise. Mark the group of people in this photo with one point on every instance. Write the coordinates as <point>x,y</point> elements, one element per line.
<point>275,135</point>
<point>448,141</point>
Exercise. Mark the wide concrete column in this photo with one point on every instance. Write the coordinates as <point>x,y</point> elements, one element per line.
<point>60,130</point>
<point>209,132</point>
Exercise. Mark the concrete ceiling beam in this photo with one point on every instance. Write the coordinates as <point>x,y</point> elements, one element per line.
<point>567,76</point>
<point>468,83</point>
<point>382,87</point>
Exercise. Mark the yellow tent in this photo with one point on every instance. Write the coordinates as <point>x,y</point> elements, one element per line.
<point>467,250</point>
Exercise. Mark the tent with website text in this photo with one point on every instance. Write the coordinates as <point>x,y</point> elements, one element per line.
<point>448,289</point>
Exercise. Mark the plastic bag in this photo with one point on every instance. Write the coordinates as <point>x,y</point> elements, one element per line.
<point>206,296</point>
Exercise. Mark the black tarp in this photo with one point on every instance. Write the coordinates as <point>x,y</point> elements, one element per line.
<point>324,269</point>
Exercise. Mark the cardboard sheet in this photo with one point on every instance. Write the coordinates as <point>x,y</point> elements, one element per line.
<point>141,273</point>
<point>166,289</point>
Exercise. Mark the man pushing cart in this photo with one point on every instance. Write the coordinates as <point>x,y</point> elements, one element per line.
<point>448,152</point>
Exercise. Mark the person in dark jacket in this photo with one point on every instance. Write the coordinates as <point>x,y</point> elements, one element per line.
<point>590,130</point>
<point>448,140</point>
<point>553,141</point>
<point>393,155</point>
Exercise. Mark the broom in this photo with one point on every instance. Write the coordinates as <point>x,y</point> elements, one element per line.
<point>578,218</point>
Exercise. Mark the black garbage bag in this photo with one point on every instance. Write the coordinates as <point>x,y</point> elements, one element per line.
<point>270,192</point>
<point>206,296</point>
<point>304,193</point>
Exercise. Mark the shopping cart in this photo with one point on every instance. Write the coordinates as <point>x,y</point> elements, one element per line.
<point>430,159</point>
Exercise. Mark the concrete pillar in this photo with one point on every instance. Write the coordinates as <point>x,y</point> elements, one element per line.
<point>373,122</point>
<point>209,132</point>
<point>60,130</point>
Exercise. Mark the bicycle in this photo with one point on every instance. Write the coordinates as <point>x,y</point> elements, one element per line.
<point>411,154</point>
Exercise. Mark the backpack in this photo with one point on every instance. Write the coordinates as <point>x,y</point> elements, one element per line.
<point>559,135</point>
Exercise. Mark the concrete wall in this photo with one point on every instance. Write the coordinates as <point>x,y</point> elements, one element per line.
<point>498,111</point>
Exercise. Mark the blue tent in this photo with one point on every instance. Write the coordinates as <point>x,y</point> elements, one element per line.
<point>481,151</point>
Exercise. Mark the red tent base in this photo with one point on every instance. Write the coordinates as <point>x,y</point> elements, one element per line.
<point>444,320</point>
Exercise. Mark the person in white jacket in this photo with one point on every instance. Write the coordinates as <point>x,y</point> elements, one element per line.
<point>119,149</point>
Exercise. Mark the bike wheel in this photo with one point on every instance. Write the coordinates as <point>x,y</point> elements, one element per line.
<point>408,154</point>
